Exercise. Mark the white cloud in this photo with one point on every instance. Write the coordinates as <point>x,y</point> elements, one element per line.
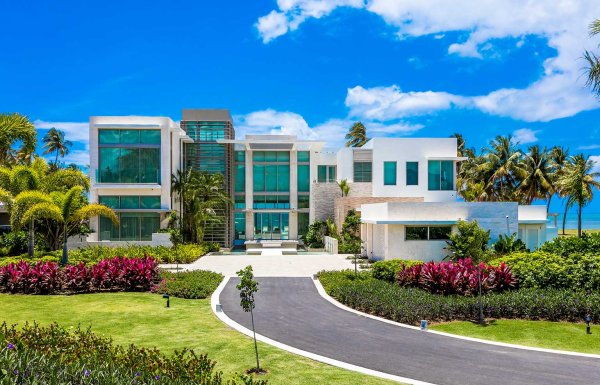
<point>524,136</point>
<point>74,131</point>
<point>79,157</point>
<point>589,147</point>
<point>332,131</point>
<point>558,93</point>
<point>386,103</point>
<point>596,160</point>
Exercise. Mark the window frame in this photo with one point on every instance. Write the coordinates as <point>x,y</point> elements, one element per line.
<point>408,182</point>
<point>428,227</point>
<point>394,173</point>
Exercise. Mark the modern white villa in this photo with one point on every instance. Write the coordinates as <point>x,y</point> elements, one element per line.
<point>404,188</point>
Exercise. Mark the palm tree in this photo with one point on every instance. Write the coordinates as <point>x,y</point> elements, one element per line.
<point>593,61</point>
<point>344,187</point>
<point>70,210</point>
<point>558,159</point>
<point>54,141</point>
<point>16,129</point>
<point>501,169</point>
<point>538,182</point>
<point>209,202</point>
<point>578,183</point>
<point>180,184</point>
<point>357,135</point>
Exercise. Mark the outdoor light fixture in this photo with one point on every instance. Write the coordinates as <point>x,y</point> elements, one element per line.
<point>166,296</point>
<point>588,319</point>
<point>423,324</point>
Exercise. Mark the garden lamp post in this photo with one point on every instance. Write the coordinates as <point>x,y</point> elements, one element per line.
<point>166,296</point>
<point>588,319</point>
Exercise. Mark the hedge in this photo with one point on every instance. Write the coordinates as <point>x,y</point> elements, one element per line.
<point>52,355</point>
<point>541,269</point>
<point>411,305</point>
<point>190,284</point>
<point>387,270</point>
<point>565,246</point>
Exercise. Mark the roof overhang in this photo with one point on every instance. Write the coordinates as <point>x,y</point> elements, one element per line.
<point>532,221</point>
<point>283,144</point>
<point>410,223</point>
<point>454,158</point>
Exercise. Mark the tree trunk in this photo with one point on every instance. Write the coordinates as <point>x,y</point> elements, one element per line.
<point>565,217</point>
<point>548,204</point>
<point>255,345</point>
<point>579,220</point>
<point>65,253</point>
<point>30,244</point>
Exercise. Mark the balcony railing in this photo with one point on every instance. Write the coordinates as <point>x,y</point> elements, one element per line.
<point>128,176</point>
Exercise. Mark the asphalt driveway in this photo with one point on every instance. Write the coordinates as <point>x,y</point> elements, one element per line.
<point>291,311</point>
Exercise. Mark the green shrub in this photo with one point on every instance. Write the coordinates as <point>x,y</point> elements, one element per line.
<point>53,355</point>
<point>410,305</point>
<point>316,232</point>
<point>190,284</point>
<point>212,247</point>
<point>14,242</point>
<point>387,270</point>
<point>508,244</point>
<point>542,269</point>
<point>470,241</point>
<point>588,243</point>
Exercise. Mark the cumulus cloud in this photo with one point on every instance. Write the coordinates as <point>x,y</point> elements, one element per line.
<point>596,160</point>
<point>524,136</point>
<point>558,93</point>
<point>74,131</point>
<point>589,147</point>
<point>332,131</point>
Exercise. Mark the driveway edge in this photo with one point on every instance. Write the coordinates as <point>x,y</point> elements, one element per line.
<point>333,301</point>
<point>214,301</point>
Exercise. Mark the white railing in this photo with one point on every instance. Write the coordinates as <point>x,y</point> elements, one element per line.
<point>331,245</point>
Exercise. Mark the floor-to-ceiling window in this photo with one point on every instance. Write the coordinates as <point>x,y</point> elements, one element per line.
<point>128,156</point>
<point>271,226</point>
<point>135,225</point>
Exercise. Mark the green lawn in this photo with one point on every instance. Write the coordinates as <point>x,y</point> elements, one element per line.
<point>542,334</point>
<point>142,319</point>
<point>573,232</point>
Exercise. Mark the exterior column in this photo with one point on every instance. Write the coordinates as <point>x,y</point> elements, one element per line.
<point>249,192</point>
<point>386,241</point>
<point>293,219</point>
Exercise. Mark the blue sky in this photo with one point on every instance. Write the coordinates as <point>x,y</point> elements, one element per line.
<point>426,69</point>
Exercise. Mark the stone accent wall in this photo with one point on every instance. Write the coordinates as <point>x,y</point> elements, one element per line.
<point>360,189</point>
<point>342,205</point>
<point>323,199</point>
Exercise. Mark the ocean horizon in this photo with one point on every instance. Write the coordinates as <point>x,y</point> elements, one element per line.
<point>589,221</point>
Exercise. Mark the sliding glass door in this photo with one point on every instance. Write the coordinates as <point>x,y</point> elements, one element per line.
<point>271,226</point>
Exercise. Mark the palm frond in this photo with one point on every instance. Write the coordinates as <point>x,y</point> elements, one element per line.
<point>44,210</point>
<point>93,210</point>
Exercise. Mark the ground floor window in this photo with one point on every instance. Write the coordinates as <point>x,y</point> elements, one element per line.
<point>271,226</point>
<point>131,227</point>
<point>240,225</point>
<point>303,222</point>
<point>428,233</point>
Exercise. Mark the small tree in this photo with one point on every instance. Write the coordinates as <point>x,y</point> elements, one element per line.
<point>350,240</point>
<point>344,187</point>
<point>470,241</point>
<point>247,287</point>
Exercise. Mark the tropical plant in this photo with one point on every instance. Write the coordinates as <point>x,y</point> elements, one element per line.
<point>69,209</point>
<point>538,182</point>
<point>16,129</point>
<point>502,169</point>
<point>54,142</point>
<point>559,157</point>
<point>248,287</point>
<point>593,62</point>
<point>357,135</point>
<point>350,242</point>
<point>344,187</point>
<point>507,244</point>
<point>469,241</point>
<point>578,183</point>
<point>314,236</point>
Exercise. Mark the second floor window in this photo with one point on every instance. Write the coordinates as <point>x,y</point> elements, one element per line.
<point>389,173</point>
<point>326,174</point>
<point>363,171</point>
<point>441,175</point>
<point>412,173</point>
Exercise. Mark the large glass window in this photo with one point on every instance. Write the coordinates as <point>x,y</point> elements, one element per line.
<point>240,178</point>
<point>303,222</point>
<point>240,225</point>
<point>271,202</point>
<point>412,173</point>
<point>303,156</point>
<point>131,227</point>
<point>150,202</point>
<point>303,201</point>
<point>331,170</point>
<point>240,201</point>
<point>441,175</point>
<point>321,174</point>
<point>129,137</point>
<point>389,173</point>
<point>129,165</point>
<point>362,171</point>
<point>303,177</point>
<point>271,178</point>
<point>271,225</point>
<point>425,233</point>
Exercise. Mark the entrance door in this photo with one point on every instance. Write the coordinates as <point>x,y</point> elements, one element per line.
<point>533,239</point>
<point>271,226</point>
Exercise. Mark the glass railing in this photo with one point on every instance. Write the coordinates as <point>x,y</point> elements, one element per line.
<point>128,176</point>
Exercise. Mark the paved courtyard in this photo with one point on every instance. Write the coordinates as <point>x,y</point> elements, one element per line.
<point>301,265</point>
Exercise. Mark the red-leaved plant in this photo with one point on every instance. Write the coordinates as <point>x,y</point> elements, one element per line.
<point>131,274</point>
<point>460,277</point>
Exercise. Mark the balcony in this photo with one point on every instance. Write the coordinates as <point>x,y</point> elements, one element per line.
<point>128,176</point>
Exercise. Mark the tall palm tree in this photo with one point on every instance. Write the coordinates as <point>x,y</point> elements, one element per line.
<point>16,129</point>
<point>55,142</point>
<point>210,201</point>
<point>593,61</point>
<point>558,160</point>
<point>538,182</point>
<point>70,210</point>
<point>357,135</point>
<point>180,184</point>
<point>578,183</point>
<point>502,169</point>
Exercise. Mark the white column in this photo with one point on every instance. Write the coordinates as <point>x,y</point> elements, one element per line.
<point>386,240</point>
<point>293,219</point>
<point>249,196</point>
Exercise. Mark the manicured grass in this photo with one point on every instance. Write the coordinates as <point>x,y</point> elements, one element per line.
<point>542,334</point>
<point>573,232</point>
<point>142,319</point>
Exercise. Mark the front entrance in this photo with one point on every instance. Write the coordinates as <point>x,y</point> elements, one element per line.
<point>271,226</point>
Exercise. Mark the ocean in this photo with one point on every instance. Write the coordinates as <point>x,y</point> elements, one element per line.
<point>589,221</point>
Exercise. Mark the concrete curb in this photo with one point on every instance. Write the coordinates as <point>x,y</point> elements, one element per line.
<point>330,299</point>
<point>214,301</point>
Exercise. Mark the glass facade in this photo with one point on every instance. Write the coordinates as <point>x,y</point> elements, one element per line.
<point>240,225</point>
<point>412,173</point>
<point>389,173</point>
<point>303,201</point>
<point>303,222</point>
<point>271,202</point>
<point>130,201</point>
<point>441,175</point>
<point>303,156</point>
<point>326,174</point>
<point>271,226</point>
<point>131,227</point>
<point>363,171</point>
<point>128,156</point>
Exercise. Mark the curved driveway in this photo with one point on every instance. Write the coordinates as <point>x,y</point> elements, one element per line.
<point>291,311</point>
